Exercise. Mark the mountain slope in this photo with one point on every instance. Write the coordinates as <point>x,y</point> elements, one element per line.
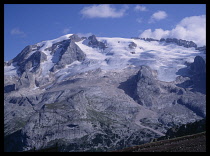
<point>99,93</point>
<point>191,143</point>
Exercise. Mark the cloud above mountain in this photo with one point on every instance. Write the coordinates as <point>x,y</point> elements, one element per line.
<point>17,32</point>
<point>103,11</point>
<point>157,16</point>
<point>190,28</point>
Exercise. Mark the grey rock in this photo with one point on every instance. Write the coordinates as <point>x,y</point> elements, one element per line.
<point>155,94</point>
<point>9,88</point>
<point>179,42</point>
<point>195,102</point>
<point>199,65</point>
<point>132,45</point>
<point>203,49</point>
<point>147,87</point>
<point>75,38</point>
<point>196,79</point>
<point>93,42</point>
<point>149,39</point>
<point>33,62</point>
<point>70,52</point>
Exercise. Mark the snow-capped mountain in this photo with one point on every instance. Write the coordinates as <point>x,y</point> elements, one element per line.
<point>101,93</point>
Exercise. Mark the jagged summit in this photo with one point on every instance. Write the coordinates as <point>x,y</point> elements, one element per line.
<point>109,53</point>
<point>180,42</point>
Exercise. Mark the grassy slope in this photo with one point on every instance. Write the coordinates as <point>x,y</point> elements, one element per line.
<point>189,143</point>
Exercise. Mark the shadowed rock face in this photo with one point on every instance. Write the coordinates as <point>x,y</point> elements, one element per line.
<point>203,49</point>
<point>23,54</point>
<point>9,88</point>
<point>70,52</point>
<point>132,45</point>
<point>32,62</point>
<point>95,43</point>
<point>198,66</point>
<point>179,42</point>
<point>197,77</point>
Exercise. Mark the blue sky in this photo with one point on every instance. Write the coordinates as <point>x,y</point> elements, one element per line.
<point>28,24</point>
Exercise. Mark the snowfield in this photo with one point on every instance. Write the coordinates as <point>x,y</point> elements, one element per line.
<point>167,59</point>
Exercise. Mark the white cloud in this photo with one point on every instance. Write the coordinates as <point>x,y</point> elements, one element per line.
<point>157,16</point>
<point>140,8</point>
<point>190,28</point>
<point>139,20</point>
<point>66,31</point>
<point>157,34</point>
<point>103,11</point>
<point>17,31</point>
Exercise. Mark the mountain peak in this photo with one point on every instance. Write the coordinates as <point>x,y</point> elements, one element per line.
<point>94,93</point>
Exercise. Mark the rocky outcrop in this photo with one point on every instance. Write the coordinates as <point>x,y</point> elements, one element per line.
<point>202,49</point>
<point>196,80</point>
<point>32,63</point>
<point>199,74</point>
<point>75,38</point>
<point>93,42</point>
<point>147,87</point>
<point>68,52</point>
<point>5,63</point>
<point>148,39</point>
<point>199,65</point>
<point>9,88</point>
<point>132,45</point>
<point>155,94</point>
<point>179,42</point>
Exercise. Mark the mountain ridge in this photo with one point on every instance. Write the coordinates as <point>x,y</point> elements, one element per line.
<point>98,93</point>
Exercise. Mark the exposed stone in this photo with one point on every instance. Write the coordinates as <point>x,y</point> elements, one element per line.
<point>199,65</point>
<point>132,45</point>
<point>95,43</point>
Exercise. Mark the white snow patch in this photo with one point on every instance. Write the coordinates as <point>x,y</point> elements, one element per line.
<point>49,63</point>
<point>166,59</point>
<point>49,43</point>
<point>11,70</point>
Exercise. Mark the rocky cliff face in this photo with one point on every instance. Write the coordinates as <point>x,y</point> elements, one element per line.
<point>93,42</point>
<point>180,42</point>
<point>56,92</point>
